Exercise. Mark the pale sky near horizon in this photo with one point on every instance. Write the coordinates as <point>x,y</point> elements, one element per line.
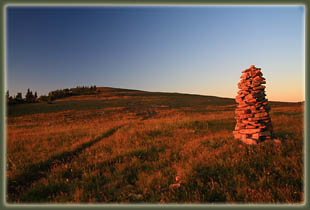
<point>186,49</point>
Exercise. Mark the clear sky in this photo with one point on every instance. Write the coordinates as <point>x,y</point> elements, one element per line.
<point>187,49</point>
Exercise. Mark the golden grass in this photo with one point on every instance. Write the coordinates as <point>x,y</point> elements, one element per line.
<point>139,162</point>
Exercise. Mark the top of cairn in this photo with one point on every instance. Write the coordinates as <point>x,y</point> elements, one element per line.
<point>252,67</point>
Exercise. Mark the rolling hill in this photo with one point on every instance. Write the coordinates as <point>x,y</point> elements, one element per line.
<point>129,146</point>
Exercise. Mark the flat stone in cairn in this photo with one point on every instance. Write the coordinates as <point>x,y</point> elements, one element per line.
<point>252,113</point>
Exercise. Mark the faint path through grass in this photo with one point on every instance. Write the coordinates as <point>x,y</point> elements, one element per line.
<point>36,171</point>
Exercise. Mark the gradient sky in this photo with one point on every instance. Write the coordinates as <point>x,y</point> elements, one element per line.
<point>188,49</point>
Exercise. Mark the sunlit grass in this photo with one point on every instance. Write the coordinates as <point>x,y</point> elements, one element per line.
<point>157,152</point>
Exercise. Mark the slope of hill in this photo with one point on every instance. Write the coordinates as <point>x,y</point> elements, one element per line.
<point>131,99</point>
<point>115,97</point>
<point>136,146</point>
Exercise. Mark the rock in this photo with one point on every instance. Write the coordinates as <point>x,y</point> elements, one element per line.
<point>237,135</point>
<point>259,87</point>
<point>258,78</point>
<point>238,100</point>
<point>249,131</point>
<point>252,113</point>
<point>174,186</point>
<point>250,126</point>
<point>178,178</point>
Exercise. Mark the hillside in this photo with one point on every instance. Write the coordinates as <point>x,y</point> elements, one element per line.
<point>129,146</point>
<point>134,100</point>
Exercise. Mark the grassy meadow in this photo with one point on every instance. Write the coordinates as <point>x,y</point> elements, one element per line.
<point>126,146</point>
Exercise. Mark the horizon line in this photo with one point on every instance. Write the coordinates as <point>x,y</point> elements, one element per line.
<point>150,91</point>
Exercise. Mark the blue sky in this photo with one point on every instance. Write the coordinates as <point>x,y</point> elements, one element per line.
<point>188,49</point>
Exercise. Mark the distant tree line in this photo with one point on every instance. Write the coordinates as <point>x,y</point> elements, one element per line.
<point>55,94</point>
<point>18,99</point>
<point>78,90</point>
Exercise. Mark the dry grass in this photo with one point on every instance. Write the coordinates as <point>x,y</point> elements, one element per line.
<point>135,153</point>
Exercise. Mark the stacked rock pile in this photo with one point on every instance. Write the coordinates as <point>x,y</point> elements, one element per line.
<point>252,113</point>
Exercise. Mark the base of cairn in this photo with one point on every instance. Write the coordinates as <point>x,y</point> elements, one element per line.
<point>252,113</point>
<point>248,139</point>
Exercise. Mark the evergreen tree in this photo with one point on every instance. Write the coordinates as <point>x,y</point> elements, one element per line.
<point>35,97</point>
<point>19,97</point>
<point>29,96</point>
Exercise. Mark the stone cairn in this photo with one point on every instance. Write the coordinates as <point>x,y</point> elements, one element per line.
<point>252,113</point>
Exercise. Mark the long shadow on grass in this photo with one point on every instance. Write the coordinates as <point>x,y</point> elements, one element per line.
<point>39,170</point>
